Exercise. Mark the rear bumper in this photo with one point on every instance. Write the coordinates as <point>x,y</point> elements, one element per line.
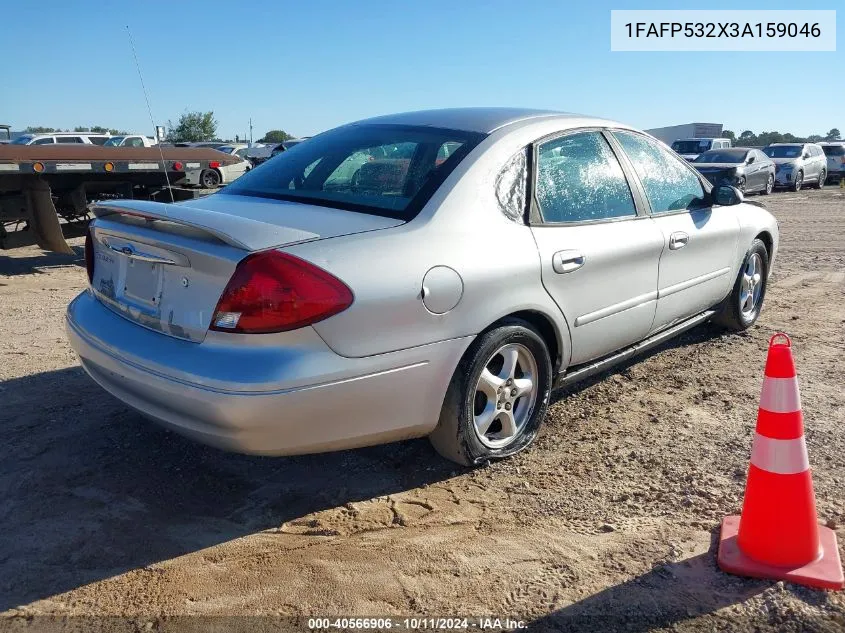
<point>276,394</point>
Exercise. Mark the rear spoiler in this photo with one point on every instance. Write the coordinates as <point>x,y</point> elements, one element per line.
<point>240,232</point>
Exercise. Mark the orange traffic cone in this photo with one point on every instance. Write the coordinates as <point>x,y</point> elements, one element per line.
<point>778,536</point>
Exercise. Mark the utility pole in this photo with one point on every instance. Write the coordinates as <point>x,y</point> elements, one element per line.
<point>250,131</point>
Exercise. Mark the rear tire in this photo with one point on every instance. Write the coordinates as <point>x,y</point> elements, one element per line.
<point>739,312</point>
<point>461,435</point>
<point>209,178</point>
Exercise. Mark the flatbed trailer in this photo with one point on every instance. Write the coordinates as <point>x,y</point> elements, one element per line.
<point>45,190</point>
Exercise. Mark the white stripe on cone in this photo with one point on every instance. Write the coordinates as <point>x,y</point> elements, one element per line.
<point>782,457</point>
<point>780,395</point>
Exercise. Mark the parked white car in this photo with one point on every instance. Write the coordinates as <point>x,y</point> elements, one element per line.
<point>79,138</point>
<point>219,174</point>
<point>132,140</point>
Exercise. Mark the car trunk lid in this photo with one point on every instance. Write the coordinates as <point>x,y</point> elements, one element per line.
<point>164,266</point>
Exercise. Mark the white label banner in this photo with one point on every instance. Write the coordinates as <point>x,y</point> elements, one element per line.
<point>723,30</point>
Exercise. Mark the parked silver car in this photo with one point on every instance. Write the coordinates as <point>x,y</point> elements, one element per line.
<point>430,273</point>
<point>835,154</point>
<point>797,164</point>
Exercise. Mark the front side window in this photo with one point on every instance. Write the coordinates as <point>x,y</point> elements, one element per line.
<point>44,141</point>
<point>669,183</point>
<point>579,178</point>
<point>69,139</point>
<point>383,169</point>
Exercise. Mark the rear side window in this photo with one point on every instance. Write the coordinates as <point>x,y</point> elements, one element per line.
<point>98,140</point>
<point>579,178</point>
<point>68,139</point>
<point>510,186</point>
<point>669,183</point>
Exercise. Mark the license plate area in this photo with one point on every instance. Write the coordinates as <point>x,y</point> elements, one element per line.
<point>142,283</point>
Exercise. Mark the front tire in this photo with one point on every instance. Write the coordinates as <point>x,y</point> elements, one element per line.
<point>799,181</point>
<point>770,185</point>
<point>742,307</point>
<point>822,178</point>
<point>498,396</point>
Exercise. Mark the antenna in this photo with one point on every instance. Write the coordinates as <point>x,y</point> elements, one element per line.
<point>150,112</point>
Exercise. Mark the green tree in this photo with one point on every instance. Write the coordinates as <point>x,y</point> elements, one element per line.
<point>275,136</point>
<point>38,129</point>
<point>729,134</point>
<point>115,132</point>
<point>193,126</point>
<point>833,135</point>
<point>81,128</point>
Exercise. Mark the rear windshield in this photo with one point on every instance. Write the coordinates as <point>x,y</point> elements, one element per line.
<point>692,147</point>
<point>721,156</point>
<point>834,150</point>
<point>387,170</point>
<point>783,151</point>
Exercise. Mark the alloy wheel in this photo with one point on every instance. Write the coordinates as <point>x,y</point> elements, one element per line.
<point>505,395</point>
<point>751,286</point>
<point>770,184</point>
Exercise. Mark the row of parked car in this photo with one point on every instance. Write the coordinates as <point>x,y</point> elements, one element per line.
<point>780,165</point>
<point>85,138</point>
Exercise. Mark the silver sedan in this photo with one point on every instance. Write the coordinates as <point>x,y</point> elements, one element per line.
<point>432,273</point>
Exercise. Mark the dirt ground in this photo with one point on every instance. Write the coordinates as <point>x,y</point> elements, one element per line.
<point>609,522</point>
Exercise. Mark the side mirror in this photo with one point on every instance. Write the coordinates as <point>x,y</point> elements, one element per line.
<point>805,155</point>
<point>726,196</point>
<point>750,160</point>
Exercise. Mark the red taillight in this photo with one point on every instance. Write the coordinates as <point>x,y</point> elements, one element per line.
<point>177,166</point>
<point>214,164</point>
<point>276,292</point>
<point>89,256</point>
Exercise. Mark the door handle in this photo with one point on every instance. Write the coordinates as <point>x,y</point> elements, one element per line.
<point>567,261</point>
<point>678,240</point>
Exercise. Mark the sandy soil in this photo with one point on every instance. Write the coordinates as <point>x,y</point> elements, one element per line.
<point>608,522</point>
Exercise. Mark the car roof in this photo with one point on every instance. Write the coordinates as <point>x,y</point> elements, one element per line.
<point>484,120</point>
